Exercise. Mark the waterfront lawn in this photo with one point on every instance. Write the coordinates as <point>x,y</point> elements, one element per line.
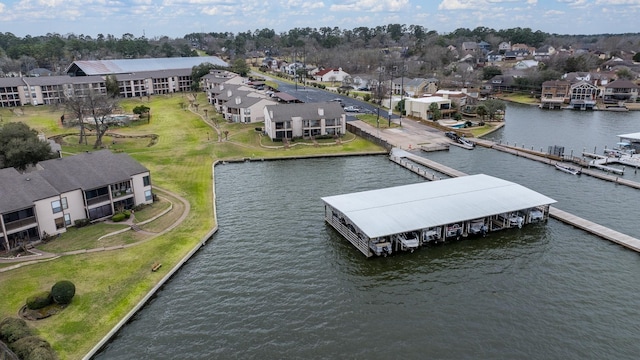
<point>372,119</point>
<point>110,283</point>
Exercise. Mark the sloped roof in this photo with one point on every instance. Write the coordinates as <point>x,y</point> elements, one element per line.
<point>89,170</point>
<point>423,205</point>
<point>19,191</point>
<point>306,111</point>
<point>123,66</point>
<point>622,84</point>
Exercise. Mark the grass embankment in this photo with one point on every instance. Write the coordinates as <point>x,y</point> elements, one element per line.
<point>110,283</point>
<point>525,99</point>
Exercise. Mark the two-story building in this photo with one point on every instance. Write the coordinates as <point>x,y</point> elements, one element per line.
<point>420,108</point>
<point>620,91</point>
<point>554,94</point>
<point>49,199</point>
<point>304,120</point>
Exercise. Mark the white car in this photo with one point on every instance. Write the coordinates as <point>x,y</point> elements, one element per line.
<point>352,109</point>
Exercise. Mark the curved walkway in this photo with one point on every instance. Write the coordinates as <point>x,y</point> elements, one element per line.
<point>39,256</point>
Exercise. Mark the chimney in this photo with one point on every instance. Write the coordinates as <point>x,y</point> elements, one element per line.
<point>238,100</point>
<point>229,93</point>
<point>321,111</point>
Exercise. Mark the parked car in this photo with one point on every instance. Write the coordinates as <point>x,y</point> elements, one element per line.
<point>338,100</point>
<point>352,109</point>
<point>452,135</point>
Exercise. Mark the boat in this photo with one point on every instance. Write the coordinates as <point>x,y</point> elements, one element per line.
<point>568,169</point>
<point>380,248</point>
<point>408,242</point>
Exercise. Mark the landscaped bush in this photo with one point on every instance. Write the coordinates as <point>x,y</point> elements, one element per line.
<point>81,223</point>
<point>13,329</point>
<point>39,301</point>
<point>63,291</point>
<point>127,214</point>
<point>33,348</point>
<point>118,217</point>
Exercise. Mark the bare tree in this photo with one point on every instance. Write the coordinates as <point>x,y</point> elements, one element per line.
<point>94,104</point>
<point>100,106</point>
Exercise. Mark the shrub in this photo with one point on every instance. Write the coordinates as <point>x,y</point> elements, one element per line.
<point>32,348</point>
<point>63,291</point>
<point>127,213</point>
<point>118,217</point>
<point>13,329</point>
<point>38,301</point>
<point>366,97</point>
<point>81,222</point>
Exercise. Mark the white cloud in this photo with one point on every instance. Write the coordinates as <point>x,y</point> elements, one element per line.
<point>618,2</point>
<point>554,12</point>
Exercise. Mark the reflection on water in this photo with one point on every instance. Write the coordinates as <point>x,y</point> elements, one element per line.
<point>277,282</point>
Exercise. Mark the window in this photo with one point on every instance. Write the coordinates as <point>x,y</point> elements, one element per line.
<point>56,206</point>
<point>64,203</point>
<point>67,219</point>
<point>147,195</point>
<point>59,223</point>
<point>146,180</point>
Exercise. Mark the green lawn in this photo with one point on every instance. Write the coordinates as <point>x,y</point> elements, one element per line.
<point>110,283</point>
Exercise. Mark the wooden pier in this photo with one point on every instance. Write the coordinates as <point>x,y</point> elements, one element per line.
<point>595,229</point>
<point>603,232</point>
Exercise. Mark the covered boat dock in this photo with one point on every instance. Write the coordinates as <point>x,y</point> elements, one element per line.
<point>402,218</point>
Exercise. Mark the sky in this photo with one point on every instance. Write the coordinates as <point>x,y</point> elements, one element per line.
<point>176,18</point>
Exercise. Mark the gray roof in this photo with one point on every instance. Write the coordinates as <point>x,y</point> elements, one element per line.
<point>306,111</point>
<point>245,101</point>
<point>19,191</point>
<point>11,81</point>
<point>62,79</point>
<point>122,66</point>
<point>89,170</point>
<point>412,207</point>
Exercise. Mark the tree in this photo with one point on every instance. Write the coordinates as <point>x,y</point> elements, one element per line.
<point>93,103</point>
<point>113,89</point>
<point>240,67</point>
<point>100,106</point>
<point>434,109</point>
<point>141,110</point>
<point>481,111</point>
<point>20,146</point>
<point>493,106</point>
<point>490,71</point>
<point>625,73</point>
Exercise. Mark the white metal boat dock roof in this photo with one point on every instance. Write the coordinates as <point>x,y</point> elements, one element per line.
<point>632,136</point>
<point>411,207</point>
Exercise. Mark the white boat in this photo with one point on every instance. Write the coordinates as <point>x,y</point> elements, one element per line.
<point>408,243</point>
<point>382,248</point>
<point>568,169</point>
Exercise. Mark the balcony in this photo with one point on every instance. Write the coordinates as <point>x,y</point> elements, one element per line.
<point>20,223</point>
<point>121,193</point>
<point>98,199</point>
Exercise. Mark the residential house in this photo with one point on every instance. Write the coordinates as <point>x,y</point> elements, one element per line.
<point>230,92</point>
<point>583,95</point>
<point>493,57</point>
<point>58,192</point>
<point>516,55</point>
<point>270,63</point>
<point>526,64</point>
<point>398,85</point>
<point>331,74</point>
<point>500,83</point>
<point>420,108</point>
<point>304,120</point>
<point>620,91</point>
<point>484,46</point>
<point>470,46</point>
<point>457,97</point>
<point>244,108</point>
<point>504,47</point>
<point>554,94</point>
<point>417,87</point>
<point>544,52</point>
<point>519,46</point>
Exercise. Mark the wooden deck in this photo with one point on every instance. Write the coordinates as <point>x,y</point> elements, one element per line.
<point>595,229</point>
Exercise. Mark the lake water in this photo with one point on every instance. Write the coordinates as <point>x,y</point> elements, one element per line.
<point>277,282</point>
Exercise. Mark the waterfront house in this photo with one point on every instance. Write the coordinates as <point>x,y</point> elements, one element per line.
<point>583,95</point>
<point>59,192</point>
<point>304,120</point>
<point>554,94</point>
<point>245,108</point>
<point>420,108</point>
<point>620,90</point>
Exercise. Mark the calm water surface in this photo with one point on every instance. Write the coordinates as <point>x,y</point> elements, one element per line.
<point>277,282</point>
